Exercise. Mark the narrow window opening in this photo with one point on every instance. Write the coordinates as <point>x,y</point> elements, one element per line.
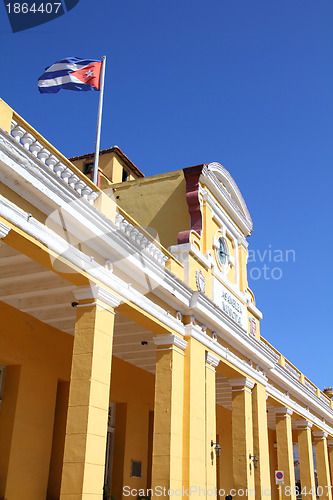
<point>125,175</point>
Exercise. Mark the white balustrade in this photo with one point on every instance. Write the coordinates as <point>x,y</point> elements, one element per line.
<point>18,132</point>
<point>66,174</point>
<point>27,139</point>
<point>292,371</point>
<point>73,180</point>
<point>79,186</point>
<point>42,154</point>
<point>35,148</point>
<point>59,168</point>
<point>51,161</point>
<point>142,241</point>
<point>310,386</point>
<point>86,191</point>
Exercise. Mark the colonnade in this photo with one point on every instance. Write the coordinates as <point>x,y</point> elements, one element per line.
<point>184,438</point>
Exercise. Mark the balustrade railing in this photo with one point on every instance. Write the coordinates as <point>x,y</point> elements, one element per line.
<point>136,234</point>
<point>33,142</point>
<point>292,370</point>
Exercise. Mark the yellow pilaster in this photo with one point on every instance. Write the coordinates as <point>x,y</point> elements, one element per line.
<point>306,458</point>
<point>168,413</point>
<point>6,114</point>
<point>323,469</point>
<point>285,455</point>
<point>260,442</point>
<point>195,446</point>
<point>211,460</point>
<point>242,256</point>
<point>242,435</point>
<point>31,433</point>
<point>85,442</point>
<point>330,456</point>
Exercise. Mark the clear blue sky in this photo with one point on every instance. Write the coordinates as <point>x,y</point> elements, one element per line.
<point>247,83</point>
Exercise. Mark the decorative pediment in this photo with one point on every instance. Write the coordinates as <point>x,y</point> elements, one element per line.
<point>213,178</point>
<point>221,184</point>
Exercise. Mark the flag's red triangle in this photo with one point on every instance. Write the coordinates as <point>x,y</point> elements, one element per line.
<point>89,74</point>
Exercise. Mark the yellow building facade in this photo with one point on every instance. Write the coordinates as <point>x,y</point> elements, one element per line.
<point>131,358</point>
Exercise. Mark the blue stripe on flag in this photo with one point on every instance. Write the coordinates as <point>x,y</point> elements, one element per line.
<point>54,74</point>
<point>67,86</point>
<point>74,60</point>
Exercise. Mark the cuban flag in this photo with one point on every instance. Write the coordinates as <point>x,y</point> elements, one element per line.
<point>71,73</point>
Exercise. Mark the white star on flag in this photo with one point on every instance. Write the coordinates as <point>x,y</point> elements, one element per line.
<point>90,73</point>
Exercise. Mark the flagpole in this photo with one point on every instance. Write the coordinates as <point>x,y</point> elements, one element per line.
<point>99,121</point>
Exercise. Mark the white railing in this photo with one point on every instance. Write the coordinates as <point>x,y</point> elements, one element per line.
<point>325,401</point>
<point>292,371</point>
<point>46,157</point>
<point>310,386</point>
<point>270,350</point>
<point>139,238</point>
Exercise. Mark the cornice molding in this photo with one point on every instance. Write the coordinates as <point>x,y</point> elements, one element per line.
<point>319,435</point>
<point>283,411</point>
<point>170,340</point>
<point>197,333</point>
<point>97,292</point>
<point>284,398</point>
<point>304,424</point>
<point>211,359</point>
<point>207,312</point>
<point>300,391</point>
<point>4,230</point>
<point>241,382</point>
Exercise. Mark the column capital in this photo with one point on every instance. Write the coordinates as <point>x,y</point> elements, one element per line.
<point>211,359</point>
<point>96,292</point>
<point>304,424</point>
<point>241,382</point>
<point>319,434</point>
<point>283,411</point>
<point>4,230</point>
<point>170,339</point>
